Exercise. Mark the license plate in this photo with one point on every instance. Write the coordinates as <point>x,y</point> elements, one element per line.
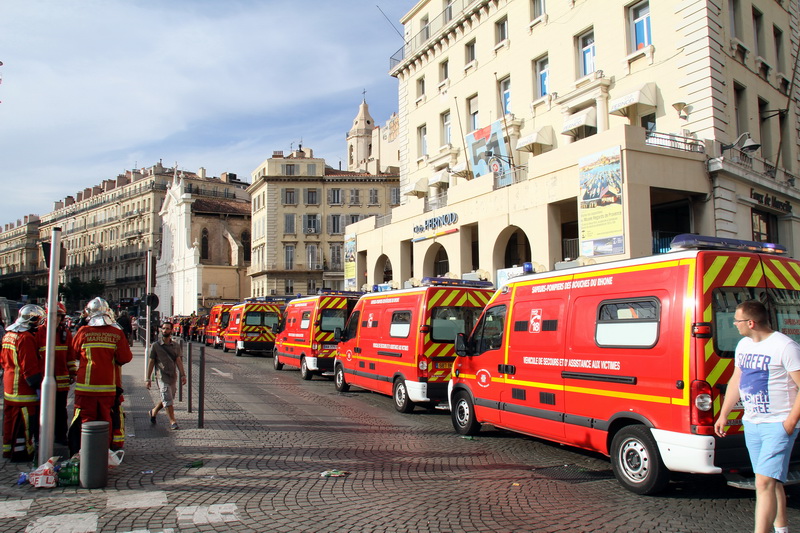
<point>329,346</point>
<point>444,365</point>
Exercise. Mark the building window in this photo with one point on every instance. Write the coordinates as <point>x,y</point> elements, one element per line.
<point>311,169</point>
<point>501,30</point>
<point>204,244</point>
<point>336,257</point>
<point>537,8</point>
<point>780,53</point>
<point>395,195</point>
<point>355,196</point>
<point>422,140</point>
<point>736,22</point>
<point>640,25</point>
<point>447,12</point>
<point>288,256</point>
<point>446,128</point>
<point>504,90</point>
<point>648,122</point>
<point>586,52</point>
<point>335,196</point>
<point>288,224</point>
<point>424,29</point>
<point>444,71</point>
<point>764,225</point>
<point>472,113</point>
<point>288,287</point>
<point>289,197</point>
<point>739,108</point>
<point>469,52</point>
<point>246,244</point>
<point>335,224</point>
<point>354,218</point>
<point>311,286</point>
<point>312,257</point>
<point>312,196</point>
<point>289,169</point>
<point>311,224</point>
<point>373,197</point>
<point>542,77</point>
<point>421,87</point>
<point>758,33</point>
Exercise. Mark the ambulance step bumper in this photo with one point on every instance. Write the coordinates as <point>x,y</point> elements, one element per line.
<point>741,482</point>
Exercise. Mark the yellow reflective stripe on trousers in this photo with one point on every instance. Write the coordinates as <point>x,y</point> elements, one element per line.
<point>87,387</point>
<point>9,397</point>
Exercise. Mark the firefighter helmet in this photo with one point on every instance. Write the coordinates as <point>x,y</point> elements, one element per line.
<point>99,313</point>
<point>29,317</point>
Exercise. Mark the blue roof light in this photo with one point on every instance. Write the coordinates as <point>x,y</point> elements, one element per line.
<point>688,241</point>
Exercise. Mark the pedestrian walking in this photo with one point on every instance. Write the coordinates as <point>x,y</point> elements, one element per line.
<point>766,378</point>
<point>165,354</point>
<point>102,347</point>
<point>124,322</point>
<point>65,368</point>
<point>22,381</point>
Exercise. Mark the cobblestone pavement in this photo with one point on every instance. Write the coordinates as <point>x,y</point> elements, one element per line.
<point>268,436</point>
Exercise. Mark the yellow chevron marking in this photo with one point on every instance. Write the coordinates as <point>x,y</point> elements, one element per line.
<point>713,271</point>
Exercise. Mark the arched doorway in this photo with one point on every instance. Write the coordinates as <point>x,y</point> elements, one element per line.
<point>383,270</point>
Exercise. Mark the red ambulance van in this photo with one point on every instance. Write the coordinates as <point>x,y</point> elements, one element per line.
<point>400,343</point>
<point>630,359</point>
<point>251,324</point>
<point>217,322</point>
<point>304,338</point>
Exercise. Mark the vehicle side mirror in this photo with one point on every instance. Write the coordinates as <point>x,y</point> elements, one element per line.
<point>461,345</point>
<point>339,335</point>
<point>278,327</point>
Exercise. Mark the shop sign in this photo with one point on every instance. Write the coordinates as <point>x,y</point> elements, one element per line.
<point>771,201</point>
<point>434,223</point>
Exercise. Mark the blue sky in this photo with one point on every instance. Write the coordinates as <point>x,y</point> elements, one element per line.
<point>91,88</point>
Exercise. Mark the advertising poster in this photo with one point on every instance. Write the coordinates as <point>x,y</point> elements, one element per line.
<point>600,217</point>
<point>488,152</point>
<point>350,262</point>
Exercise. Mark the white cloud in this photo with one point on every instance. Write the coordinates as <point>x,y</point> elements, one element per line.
<point>91,88</point>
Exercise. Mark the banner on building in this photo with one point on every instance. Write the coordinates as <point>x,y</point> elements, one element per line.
<point>488,153</point>
<point>600,204</point>
<point>350,281</point>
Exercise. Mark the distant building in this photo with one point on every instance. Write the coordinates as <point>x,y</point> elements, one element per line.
<point>19,253</point>
<point>370,148</point>
<point>300,208</point>
<point>205,245</point>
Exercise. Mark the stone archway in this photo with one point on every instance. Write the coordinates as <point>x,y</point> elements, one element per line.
<point>382,272</point>
<point>437,262</point>
<point>512,247</point>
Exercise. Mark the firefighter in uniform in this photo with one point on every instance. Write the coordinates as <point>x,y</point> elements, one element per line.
<point>65,368</point>
<point>102,347</point>
<point>22,379</point>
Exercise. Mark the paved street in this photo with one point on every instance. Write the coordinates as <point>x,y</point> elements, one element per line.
<point>269,435</point>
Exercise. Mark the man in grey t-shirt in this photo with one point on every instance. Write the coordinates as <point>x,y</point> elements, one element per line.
<point>165,354</point>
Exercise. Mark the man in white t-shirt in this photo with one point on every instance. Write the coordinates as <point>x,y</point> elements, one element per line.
<point>766,377</point>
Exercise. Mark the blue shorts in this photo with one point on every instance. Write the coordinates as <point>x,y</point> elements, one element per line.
<point>770,448</point>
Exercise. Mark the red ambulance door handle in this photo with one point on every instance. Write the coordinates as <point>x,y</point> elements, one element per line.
<point>507,369</point>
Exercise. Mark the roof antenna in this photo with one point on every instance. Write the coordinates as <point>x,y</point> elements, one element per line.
<point>390,22</point>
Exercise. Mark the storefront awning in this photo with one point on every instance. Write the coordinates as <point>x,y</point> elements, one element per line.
<point>543,136</point>
<point>420,188</point>
<point>644,96</point>
<point>585,117</point>
<point>439,177</point>
<point>461,170</point>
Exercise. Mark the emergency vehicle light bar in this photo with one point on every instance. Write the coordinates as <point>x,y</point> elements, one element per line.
<point>264,299</point>
<point>687,241</point>
<point>332,292</point>
<point>476,284</point>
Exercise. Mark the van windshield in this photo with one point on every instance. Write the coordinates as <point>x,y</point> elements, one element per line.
<point>783,306</point>
<point>261,318</point>
<point>332,319</point>
<point>447,322</point>
<point>224,319</point>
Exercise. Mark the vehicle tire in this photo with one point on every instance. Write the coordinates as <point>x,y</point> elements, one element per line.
<point>339,381</point>
<point>224,347</point>
<point>400,395</point>
<point>239,352</point>
<point>636,462</point>
<point>463,415</point>
<point>305,373</point>
<point>276,363</point>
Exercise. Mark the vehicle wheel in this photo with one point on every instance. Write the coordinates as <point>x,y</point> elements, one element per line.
<point>400,394</point>
<point>339,382</point>
<point>305,373</point>
<point>276,363</point>
<point>463,415</point>
<point>636,462</point>
<point>239,352</point>
<point>224,347</point>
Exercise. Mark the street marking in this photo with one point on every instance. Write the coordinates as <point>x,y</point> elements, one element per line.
<point>208,514</point>
<point>14,509</point>
<point>220,373</point>
<point>64,523</point>
<point>135,499</point>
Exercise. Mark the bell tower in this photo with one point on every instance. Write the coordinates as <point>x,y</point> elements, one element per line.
<point>359,139</point>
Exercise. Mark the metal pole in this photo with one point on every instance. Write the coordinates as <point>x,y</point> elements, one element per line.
<point>148,328</point>
<point>201,385</point>
<point>48,399</point>
<point>189,379</point>
<point>180,382</point>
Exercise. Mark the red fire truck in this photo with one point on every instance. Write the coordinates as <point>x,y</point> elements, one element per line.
<point>400,343</point>
<point>251,324</point>
<point>217,322</point>
<point>630,359</point>
<point>304,337</point>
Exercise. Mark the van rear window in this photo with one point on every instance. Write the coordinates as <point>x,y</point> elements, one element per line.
<point>447,322</point>
<point>261,318</point>
<point>628,323</point>
<point>332,319</point>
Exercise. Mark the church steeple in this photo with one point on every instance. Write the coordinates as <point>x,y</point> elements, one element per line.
<point>359,139</point>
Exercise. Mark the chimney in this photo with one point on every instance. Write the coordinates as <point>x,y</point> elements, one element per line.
<point>25,218</point>
<point>58,205</point>
<point>87,193</point>
<point>201,173</point>
<point>96,190</point>
<point>69,200</point>
<point>79,197</point>
<point>224,177</point>
<point>277,154</point>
